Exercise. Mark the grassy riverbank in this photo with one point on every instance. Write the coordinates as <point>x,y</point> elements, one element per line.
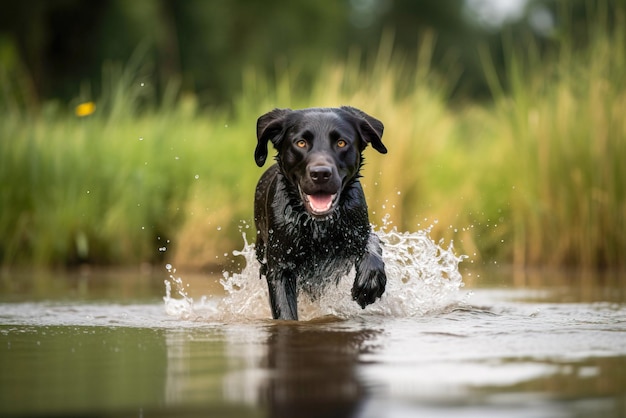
<point>534,177</point>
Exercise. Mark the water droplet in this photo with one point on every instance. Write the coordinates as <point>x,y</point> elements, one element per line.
<point>219,228</point>
<point>162,249</point>
<point>196,177</point>
<point>142,84</point>
<point>141,138</point>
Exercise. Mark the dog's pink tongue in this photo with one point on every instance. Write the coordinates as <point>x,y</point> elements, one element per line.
<point>320,202</point>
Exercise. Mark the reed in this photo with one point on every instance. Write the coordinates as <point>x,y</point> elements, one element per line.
<point>562,132</point>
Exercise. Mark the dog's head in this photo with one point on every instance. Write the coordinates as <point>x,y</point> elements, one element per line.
<point>319,150</point>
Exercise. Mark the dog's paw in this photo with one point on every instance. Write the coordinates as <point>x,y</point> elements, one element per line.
<point>370,281</point>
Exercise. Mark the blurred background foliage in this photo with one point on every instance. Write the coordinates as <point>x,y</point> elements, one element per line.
<point>504,121</point>
<point>55,45</point>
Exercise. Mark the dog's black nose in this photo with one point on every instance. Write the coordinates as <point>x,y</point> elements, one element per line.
<point>320,174</point>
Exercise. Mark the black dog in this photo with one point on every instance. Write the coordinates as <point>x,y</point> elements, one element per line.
<point>309,208</point>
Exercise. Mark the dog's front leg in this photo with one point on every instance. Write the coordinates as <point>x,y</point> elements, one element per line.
<point>370,280</point>
<point>283,294</point>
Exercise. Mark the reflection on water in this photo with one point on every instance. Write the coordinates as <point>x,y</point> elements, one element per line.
<point>496,356</point>
<point>52,370</point>
<point>195,363</point>
<point>286,369</point>
<point>305,370</point>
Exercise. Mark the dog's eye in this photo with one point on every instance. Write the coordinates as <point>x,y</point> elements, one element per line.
<point>341,143</point>
<point>301,143</point>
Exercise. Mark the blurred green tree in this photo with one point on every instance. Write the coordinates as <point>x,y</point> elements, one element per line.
<point>207,44</point>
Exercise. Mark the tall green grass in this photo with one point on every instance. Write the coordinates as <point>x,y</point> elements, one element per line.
<point>110,188</point>
<point>534,177</point>
<point>562,133</point>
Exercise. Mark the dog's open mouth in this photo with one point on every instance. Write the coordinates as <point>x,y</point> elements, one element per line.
<point>319,204</point>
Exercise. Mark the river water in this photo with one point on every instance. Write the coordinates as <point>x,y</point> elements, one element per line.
<point>444,341</point>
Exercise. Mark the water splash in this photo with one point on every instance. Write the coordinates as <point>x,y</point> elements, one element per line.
<point>422,277</point>
<point>182,307</point>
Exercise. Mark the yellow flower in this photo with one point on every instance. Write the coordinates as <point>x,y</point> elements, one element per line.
<point>85,109</point>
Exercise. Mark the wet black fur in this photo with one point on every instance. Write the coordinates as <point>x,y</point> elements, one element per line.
<point>301,250</point>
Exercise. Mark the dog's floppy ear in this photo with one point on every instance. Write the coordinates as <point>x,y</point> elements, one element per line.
<point>268,128</point>
<point>370,128</point>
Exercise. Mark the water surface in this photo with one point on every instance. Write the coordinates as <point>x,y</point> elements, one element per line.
<point>502,345</point>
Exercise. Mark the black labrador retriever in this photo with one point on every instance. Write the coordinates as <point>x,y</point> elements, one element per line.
<point>309,209</point>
